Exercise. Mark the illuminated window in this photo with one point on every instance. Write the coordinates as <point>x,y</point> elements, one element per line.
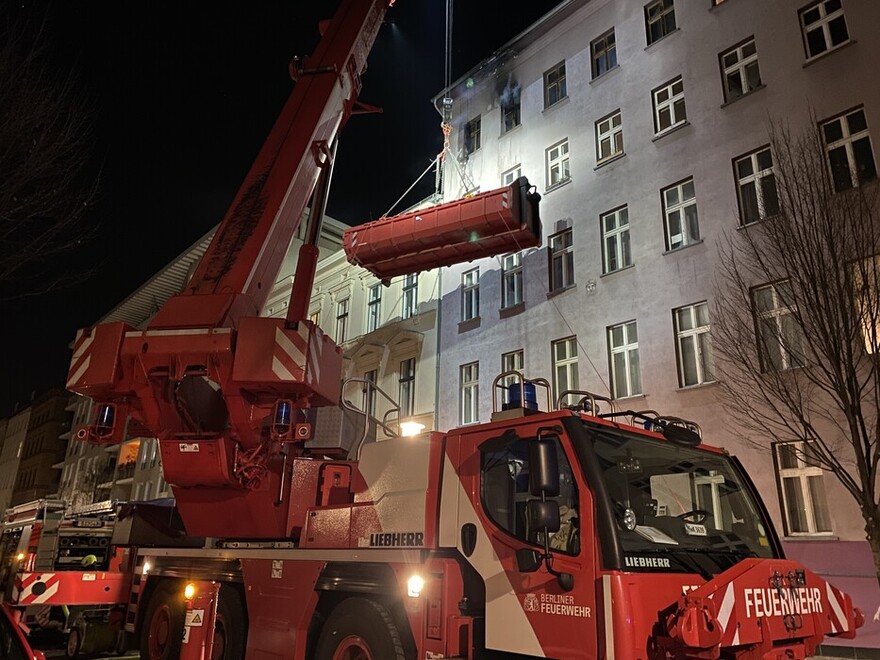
<point>659,19</point>
<point>866,288</point>
<point>623,345</point>
<point>565,365</point>
<point>470,294</point>
<point>410,295</point>
<point>694,344</point>
<point>803,491</point>
<point>680,215</point>
<point>669,108</point>
<point>407,388</point>
<point>739,68</point>
<point>472,135</point>
<point>341,320</point>
<point>604,52</point>
<point>374,307</point>
<point>848,145</point>
<point>756,186</point>
<point>554,85</point>
<point>558,164</point>
<point>315,317</point>
<point>780,337</point>
<point>470,393</point>
<point>616,252</point>
<point>824,27</point>
<point>512,280</point>
<point>561,261</point>
<point>609,137</point>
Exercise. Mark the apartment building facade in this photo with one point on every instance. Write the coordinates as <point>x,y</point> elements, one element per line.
<point>645,128</point>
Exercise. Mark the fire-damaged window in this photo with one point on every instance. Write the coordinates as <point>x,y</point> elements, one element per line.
<point>504,486</point>
<point>472,135</point>
<point>508,99</point>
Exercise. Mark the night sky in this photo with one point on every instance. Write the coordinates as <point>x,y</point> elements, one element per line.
<point>183,95</point>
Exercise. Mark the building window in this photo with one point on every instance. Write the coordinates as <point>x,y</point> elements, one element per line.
<point>554,85</point>
<point>406,389</point>
<point>472,135</point>
<point>374,307</point>
<point>609,137</point>
<point>739,70</point>
<point>694,344</point>
<point>680,215</point>
<point>756,186</point>
<point>512,280</point>
<point>561,261</point>
<point>512,361</point>
<point>669,107</point>
<point>565,365</point>
<point>780,338</point>
<point>370,392</point>
<point>510,113</point>
<point>824,27</point>
<point>623,343</point>
<point>470,393</point>
<point>557,164</point>
<point>616,252</point>
<point>315,317</point>
<point>866,286</point>
<point>659,19</point>
<point>604,51</point>
<point>341,320</point>
<point>802,488</point>
<point>470,294</point>
<point>849,150</point>
<point>410,295</point>
<point>511,175</point>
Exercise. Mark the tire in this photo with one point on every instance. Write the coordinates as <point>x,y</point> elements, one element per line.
<point>230,627</point>
<point>73,645</point>
<point>162,627</point>
<point>360,629</point>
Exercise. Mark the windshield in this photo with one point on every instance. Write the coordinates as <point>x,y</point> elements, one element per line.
<point>676,502</point>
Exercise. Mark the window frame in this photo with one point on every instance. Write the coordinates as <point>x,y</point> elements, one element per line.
<point>406,387</point>
<point>569,364</point>
<point>670,104</point>
<point>824,20</point>
<point>602,51</point>
<point>342,313</point>
<point>473,132</point>
<point>623,253</point>
<point>789,359</point>
<point>511,175</point>
<point>756,177</point>
<point>410,297</point>
<point>511,116</point>
<point>660,19</point>
<point>563,253</point>
<point>470,294</point>
<point>846,141</point>
<point>561,163</point>
<point>511,361</point>
<point>511,272</point>
<point>555,85</point>
<point>681,207</point>
<point>611,134</point>
<point>703,365</point>
<point>469,393</point>
<point>374,307</point>
<point>740,67</point>
<point>628,349</point>
<point>803,472</point>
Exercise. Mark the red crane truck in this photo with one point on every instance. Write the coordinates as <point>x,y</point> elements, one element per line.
<point>572,532</point>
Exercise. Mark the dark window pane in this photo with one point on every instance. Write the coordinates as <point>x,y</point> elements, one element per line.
<point>754,76</point>
<point>811,16</point>
<point>734,86</point>
<point>840,169</point>
<point>856,122</point>
<point>865,166</point>
<point>833,131</point>
<point>744,168</point>
<point>765,160</point>
<point>769,195</point>
<point>816,42</point>
<point>837,28</point>
<point>831,6</point>
<point>749,200</point>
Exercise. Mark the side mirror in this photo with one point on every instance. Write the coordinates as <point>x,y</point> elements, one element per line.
<point>543,468</point>
<point>528,560</point>
<point>542,516</point>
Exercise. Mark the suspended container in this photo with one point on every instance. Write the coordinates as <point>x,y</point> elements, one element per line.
<point>496,222</point>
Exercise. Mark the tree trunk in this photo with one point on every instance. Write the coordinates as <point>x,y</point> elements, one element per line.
<point>871,514</point>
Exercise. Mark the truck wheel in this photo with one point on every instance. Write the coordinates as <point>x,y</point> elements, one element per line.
<point>229,629</point>
<point>360,629</point>
<point>162,629</point>
<point>74,643</point>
